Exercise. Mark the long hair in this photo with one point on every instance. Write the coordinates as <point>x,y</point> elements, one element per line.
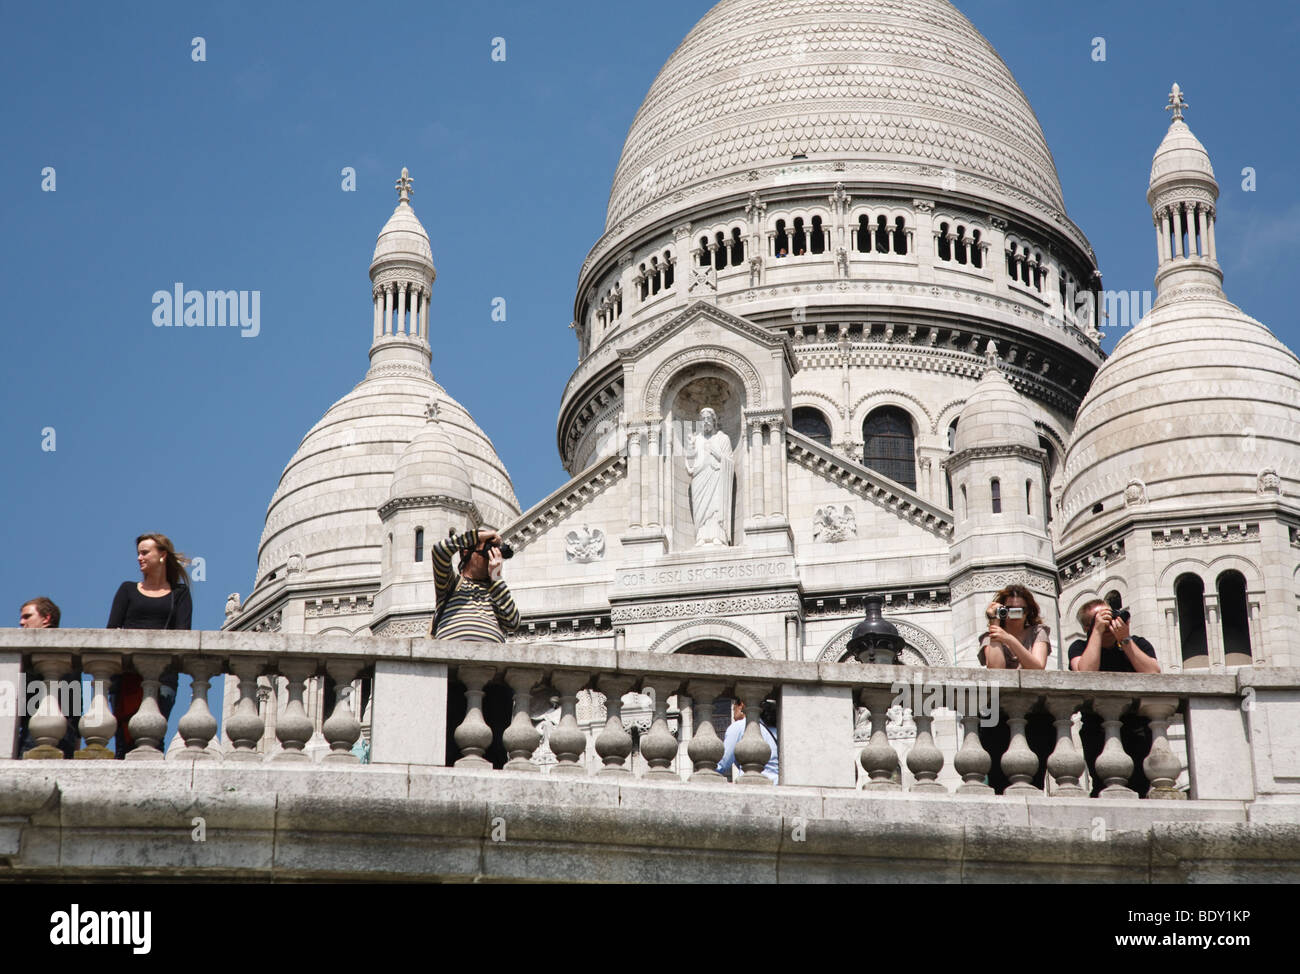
<point>173,562</point>
<point>1032,617</point>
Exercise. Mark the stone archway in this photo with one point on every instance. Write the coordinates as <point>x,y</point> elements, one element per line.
<point>921,649</point>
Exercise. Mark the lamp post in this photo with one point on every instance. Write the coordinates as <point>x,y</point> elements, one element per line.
<point>875,639</point>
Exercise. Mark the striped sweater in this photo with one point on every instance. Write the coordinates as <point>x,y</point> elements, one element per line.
<point>475,610</point>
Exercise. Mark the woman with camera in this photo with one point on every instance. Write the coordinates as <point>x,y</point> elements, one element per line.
<point>1016,639</point>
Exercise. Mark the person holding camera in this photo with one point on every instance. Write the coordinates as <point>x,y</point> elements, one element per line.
<point>475,602</point>
<point>1016,639</point>
<point>1112,648</point>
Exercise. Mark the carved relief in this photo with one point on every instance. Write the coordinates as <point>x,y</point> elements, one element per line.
<point>922,648</point>
<point>1135,494</point>
<point>833,524</point>
<point>233,606</point>
<point>737,605</point>
<point>1269,483</point>
<point>584,545</point>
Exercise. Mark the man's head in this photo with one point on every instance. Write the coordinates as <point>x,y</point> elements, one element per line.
<point>1087,618</point>
<point>708,421</point>
<point>737,709</point>
<point>39,613</point>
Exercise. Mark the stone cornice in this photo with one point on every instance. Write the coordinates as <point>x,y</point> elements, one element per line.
<point>429,500</point>
<point>704,309</point>
<point>906,504</point>
<point>983,452</point>
<point>589,484</point>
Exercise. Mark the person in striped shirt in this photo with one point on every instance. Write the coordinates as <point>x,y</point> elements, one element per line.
<point>474,603</point>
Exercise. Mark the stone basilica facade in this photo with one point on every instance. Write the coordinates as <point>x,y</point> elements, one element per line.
<point>839,336</point>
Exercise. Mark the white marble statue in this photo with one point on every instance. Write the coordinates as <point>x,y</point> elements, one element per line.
<point>708,461</point>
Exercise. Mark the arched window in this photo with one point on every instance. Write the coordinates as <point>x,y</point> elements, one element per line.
<point>655,276</point>
<point>882,235</point>
<point>419,544</point>
<point>1236,618</point>
<point>900,236</point>
<point>961,245</point>
<point>705,257</point>
<point>952,444</point>
<point>737,247</point>
<point>995,490</point>
<point>864,235</point>
<point>812,424</point>
<point>719,251</point>
<point>818,243</point>
<point>1045,445</point>
<point>1012,269</point>
<point>976,257</point>
<point>800,238</point>
<point>945,247</point>
<point>667,265</point>
<point>889,444</point>
<point>963,502</point>
<point>1189,592</point>
<point>1029,497</point>
<point>782,241</point>
<point>643,285</point>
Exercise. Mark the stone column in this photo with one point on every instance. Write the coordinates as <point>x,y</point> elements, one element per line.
<point>1161,767</point>
<point>1200,228</point>
<point>388,309</point>
<point>245,726</point>
<point>148,726</point>
<point>614,743</point>
<point>400,326</point>
<point>1210,228</point>
<point>753,475</point>
<point>635,478</point>
<point>378,303</point>
<point>98,724</point>
<point>48,725</point>
<point>706,748</point>
<point>567,740</point>
<point>1176,216</point>
<point>879,759</point>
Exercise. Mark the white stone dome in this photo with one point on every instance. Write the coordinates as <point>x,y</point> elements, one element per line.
<point>908,84</point>
<point>431,466</point>
<point>403,238</point>
<point>326,505</point>
<point>1192,411</point>
<point>995,415</point>
<point>1180,154</point>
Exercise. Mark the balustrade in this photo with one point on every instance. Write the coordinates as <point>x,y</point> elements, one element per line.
<point>601,744</point>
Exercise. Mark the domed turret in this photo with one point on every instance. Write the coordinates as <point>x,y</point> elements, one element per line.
<point>431,466</point>
<point>995,415</point>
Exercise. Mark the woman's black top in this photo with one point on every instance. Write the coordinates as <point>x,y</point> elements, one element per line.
<point>131,610</point>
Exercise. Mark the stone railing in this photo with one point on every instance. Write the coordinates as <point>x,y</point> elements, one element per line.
<point>1228,717</point>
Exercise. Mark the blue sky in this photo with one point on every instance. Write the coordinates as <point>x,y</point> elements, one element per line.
<point>225,174</point>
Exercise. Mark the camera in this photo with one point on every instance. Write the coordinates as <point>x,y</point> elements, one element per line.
<point>1122,614</point>
<point>506,550</point>
<point>1014,612</point>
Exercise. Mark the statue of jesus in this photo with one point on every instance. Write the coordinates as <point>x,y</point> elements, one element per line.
<point>712,470</point>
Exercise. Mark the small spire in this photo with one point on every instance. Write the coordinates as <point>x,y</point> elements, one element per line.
<point>403,185</point>
<point>1176,104</point>
<point>991,356</point>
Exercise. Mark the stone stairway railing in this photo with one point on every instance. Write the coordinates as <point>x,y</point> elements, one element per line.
<point>412,678</point>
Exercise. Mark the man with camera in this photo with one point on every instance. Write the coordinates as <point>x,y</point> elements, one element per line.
<point>475,602</point>
<point>1112,648</point>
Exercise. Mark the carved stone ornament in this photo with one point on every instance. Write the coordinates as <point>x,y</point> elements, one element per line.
<point>295,564</point>
<point>233,605</point>
<point>704,280</point>
<point>1135,494</point>
<point>584,545</point>
<point>1269,482</point>
<point>833,523</point>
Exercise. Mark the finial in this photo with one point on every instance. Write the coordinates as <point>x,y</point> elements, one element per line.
<point>991,356</point>
<point>403,187</point>
<point>431,411</point>
<point>1176,103</point>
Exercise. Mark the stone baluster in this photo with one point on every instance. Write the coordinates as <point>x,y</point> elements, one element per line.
<point>1019,763</point>
<point>706,748</point>
<point>293,727</point>
<point>98,725</point>
<point>752,750</point>
<point>614,743</point>
<point>473,736</point>
<point>971,761</point>
<point>342,728</point>
<point>48,725</point>
<point>148,726</point>
<point>568,742</point>
<point>1065,764</point>
<point>521,737</point>
<point>879,759</point>
<point>925,760</point>
<point>1114,767</point>
<point>198,726</point>
<point>1161,767</point>
<point>658,745</point>
<point>245,726</point>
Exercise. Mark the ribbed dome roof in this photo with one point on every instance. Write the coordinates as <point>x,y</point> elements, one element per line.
<point>995,415</point>
<point>326,505</point>
<point>1194,404</point>
<point>1180,153</point>
<point>431,466</point>
<point>910,84</point>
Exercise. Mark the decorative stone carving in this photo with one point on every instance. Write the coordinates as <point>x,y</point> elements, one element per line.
<point>722,608</point>
<point>708,461</point>
<point>584,545</point>
<point>704,281</point>
<point>233,605</point>
<point>921,649</point>
<point>294,565</point>
<point>1135,494</point>
<point>834,523</point>
<point>1269,483</point>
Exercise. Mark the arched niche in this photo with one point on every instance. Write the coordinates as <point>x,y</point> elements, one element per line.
<point>921,648</point>
<point>686,394</point>
<point>712,632</point>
